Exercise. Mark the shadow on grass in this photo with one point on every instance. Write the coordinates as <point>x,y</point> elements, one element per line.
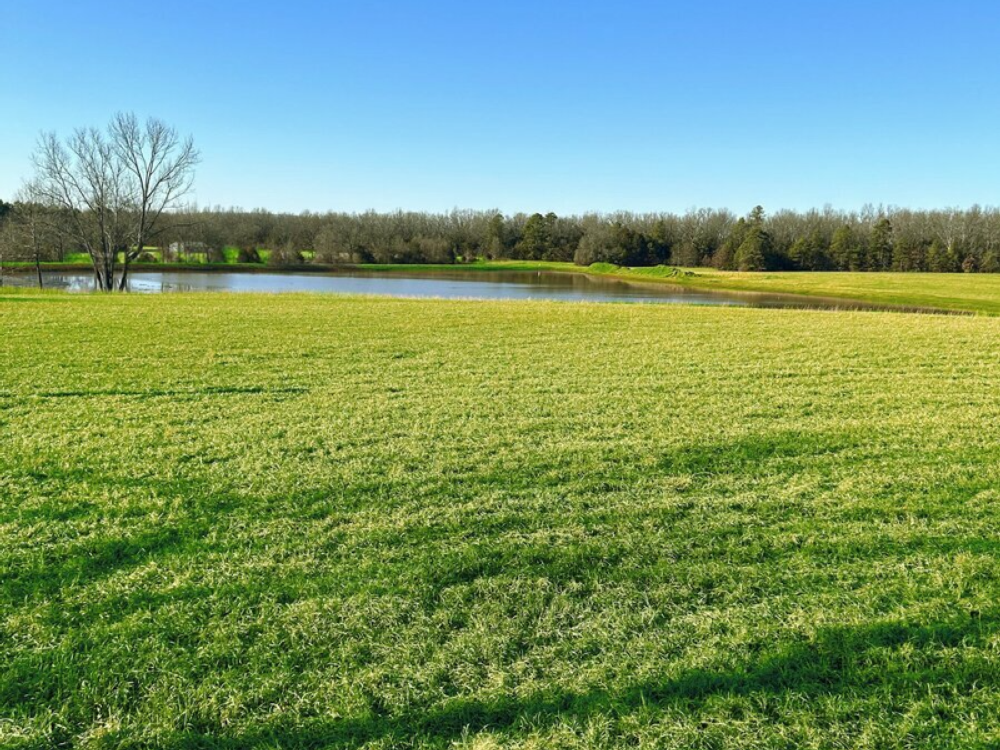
<point>155,393</point>
<point>863,661</point>
<point>77,562</point>
<point>36,297</point>
<point>753,453</point>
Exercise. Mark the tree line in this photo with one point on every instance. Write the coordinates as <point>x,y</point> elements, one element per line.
<point>116,195</point>
<point>873,239</point>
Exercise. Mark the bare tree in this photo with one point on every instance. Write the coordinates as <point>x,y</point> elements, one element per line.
<point>32,226</point>
<point>84,179</point>
<point>25,231</point>
<point>114,188</point>
<point>161,166</point>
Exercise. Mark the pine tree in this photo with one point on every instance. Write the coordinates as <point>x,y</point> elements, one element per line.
<point>937,259</point>
<point>845,249</point>
<point>725,257</point>
<point>496,245</point>
<point>753,251</point>
<point>798,254</point>
<point>819,259</point>
<point>534,242</point>
<point>881,246</point>
<point>991,262</point>
<point>659,243</point>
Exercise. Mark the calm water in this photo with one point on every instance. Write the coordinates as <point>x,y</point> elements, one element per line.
<point>448,284</point>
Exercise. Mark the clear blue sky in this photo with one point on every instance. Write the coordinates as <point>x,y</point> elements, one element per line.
<point>563,106</point>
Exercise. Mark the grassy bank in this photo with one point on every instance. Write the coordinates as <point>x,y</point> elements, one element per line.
<point>950,291</point>
<point>309,521</point>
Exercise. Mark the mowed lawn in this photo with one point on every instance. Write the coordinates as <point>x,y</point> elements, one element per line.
<point>235,521</point>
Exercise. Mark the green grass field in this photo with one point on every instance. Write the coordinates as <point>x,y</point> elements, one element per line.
<point>234,521</point>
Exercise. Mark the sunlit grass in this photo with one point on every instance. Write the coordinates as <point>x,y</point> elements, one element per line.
<point>975,292</point>
<point>315,521</point>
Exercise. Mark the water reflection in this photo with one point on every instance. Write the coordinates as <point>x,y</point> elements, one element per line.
<point>445,284</point>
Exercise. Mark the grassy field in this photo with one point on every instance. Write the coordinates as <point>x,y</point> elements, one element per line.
<point>233,521</point>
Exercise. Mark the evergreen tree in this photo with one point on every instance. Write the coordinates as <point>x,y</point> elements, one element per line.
<point>936,258</point>
<point>880,245</point>
<point>798,254</point>
<point>534,242</point>
<point>845,250</point>
<point>909,255</point>
<point>659,243</point>
<point>753,252</point>
<point>725,257</point>
<point>496,246</point>
<point>991,262</point>
<point>819,252</point>
<point>631,246</point>
<point>809,253</point>
<point>954,260</point>
<point>755,249</point>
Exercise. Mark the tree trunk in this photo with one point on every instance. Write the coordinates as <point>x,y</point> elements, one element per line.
<point>109,269</point>
<point>123,282</point>
<point>140,246</point>
<point>38,270</point>
<point>104,275</point>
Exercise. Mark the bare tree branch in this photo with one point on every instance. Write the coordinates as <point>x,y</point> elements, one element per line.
<point>115,188</point>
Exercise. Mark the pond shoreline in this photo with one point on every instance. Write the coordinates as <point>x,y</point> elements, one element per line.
<point>656,286</point>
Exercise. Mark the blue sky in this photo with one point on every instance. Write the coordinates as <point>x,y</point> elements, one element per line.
<point>525,106</point>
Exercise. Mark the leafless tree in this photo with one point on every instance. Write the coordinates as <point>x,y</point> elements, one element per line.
<point>114,188</point>
<point>160,164</point>
<point>25,232</point>
<point>32,226</point>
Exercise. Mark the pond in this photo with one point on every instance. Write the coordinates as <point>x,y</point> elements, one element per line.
<point>446,284</point>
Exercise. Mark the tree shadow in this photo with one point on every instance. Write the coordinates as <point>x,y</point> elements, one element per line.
<point>80,562</point>
<point>753,453</point>
<point>861,660</point>
<point>145,393</point>
<point>7,297</point>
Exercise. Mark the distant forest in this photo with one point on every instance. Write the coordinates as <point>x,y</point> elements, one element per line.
<point>873,239</point>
